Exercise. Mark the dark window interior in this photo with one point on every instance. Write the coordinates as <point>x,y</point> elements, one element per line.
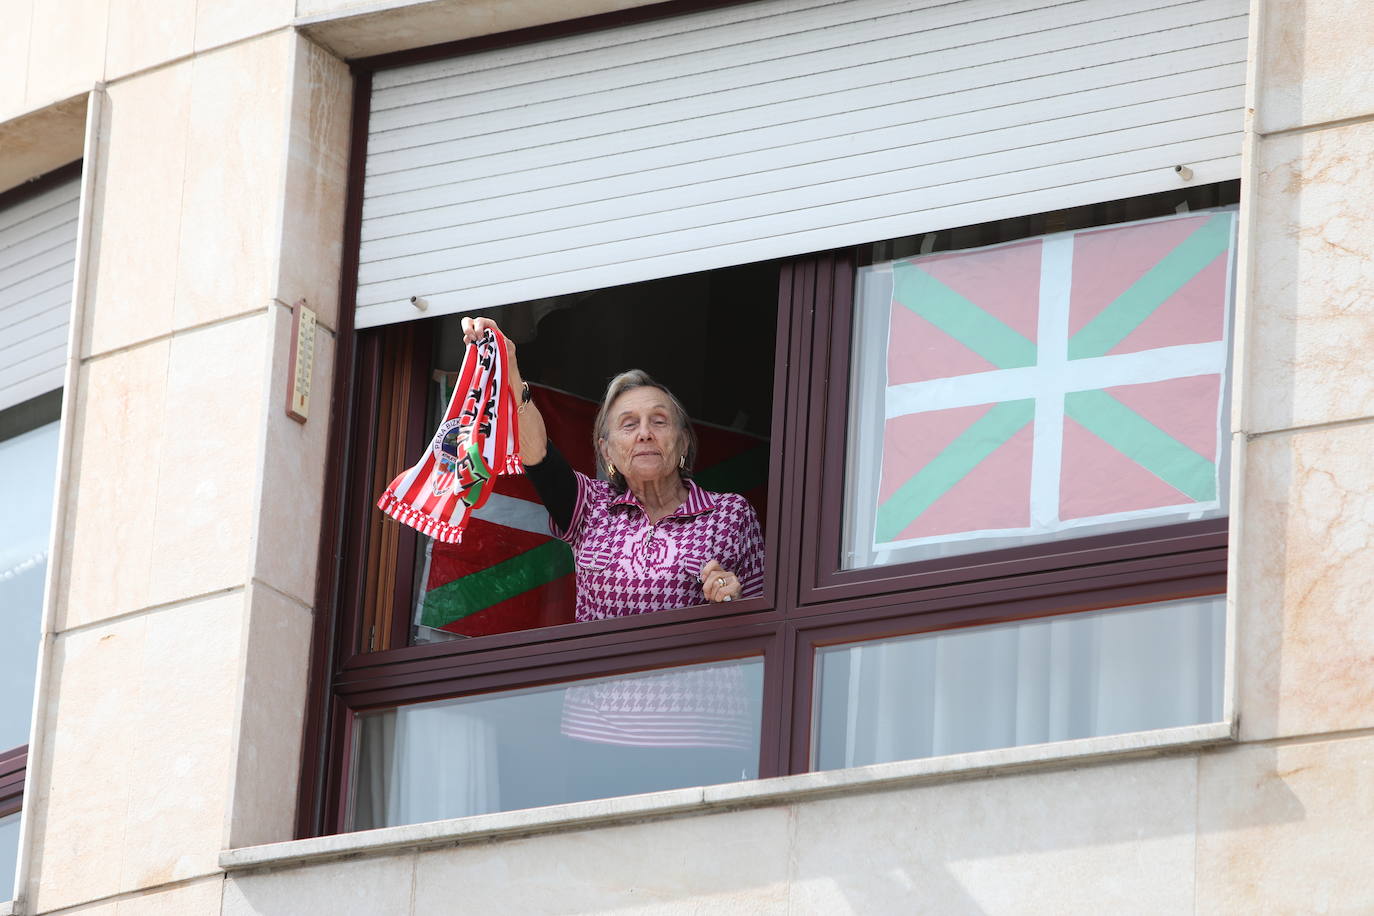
<point>709,337</point>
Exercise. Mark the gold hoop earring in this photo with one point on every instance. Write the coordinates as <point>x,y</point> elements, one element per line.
<point>611,471</point>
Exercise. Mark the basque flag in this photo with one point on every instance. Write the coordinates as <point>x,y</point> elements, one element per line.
<point>1067,380</point>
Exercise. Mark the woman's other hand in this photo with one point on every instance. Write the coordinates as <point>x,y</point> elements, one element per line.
<point>720,584</point>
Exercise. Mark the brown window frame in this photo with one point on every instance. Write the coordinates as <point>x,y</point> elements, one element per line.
<point>808,602</point>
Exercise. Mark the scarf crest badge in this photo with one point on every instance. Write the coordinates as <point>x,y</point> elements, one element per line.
<point>478,439</point>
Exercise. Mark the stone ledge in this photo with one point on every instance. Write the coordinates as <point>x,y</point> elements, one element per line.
<point>708,799</point>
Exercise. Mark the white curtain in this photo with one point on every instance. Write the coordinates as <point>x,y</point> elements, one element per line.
<point>1075,676</point>
<point>425,763</point>
<point>445,765</point>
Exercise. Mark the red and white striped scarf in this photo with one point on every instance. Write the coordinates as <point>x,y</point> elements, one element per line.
<point>479,433</point>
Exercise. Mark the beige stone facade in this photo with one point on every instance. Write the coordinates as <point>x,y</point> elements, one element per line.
<point>173,677</point>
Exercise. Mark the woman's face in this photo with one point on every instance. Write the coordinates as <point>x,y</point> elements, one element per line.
<point>642,442</point>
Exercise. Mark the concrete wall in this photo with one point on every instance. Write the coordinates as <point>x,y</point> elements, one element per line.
<point>170,718</point>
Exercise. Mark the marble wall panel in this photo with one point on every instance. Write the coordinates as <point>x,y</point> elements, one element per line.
<point>294,464</point>
<point>198,898</point>
<point>1286,829</point>
<point>136,209</point>
<point>270,714</point>
<point>76,831</point>
<point>181,731</point>
<point>14,57</point>
<point>1115,838</point>
<point>145,33</point>
<point>112,493</point>
<point>130,790</point>
<point>1305,634</point>
<point>231,206</point>
<point>225,22</point>
<point>727,863</point>
<point>1312,299</point>
<point>316,181</point>
<point>361,887</point>
<point>66,49</point>
<point>108,908</point>
<point>1316,62</point>
<point>202,536</point>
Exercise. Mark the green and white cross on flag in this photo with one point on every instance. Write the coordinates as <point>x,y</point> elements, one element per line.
<point>1050,384</point>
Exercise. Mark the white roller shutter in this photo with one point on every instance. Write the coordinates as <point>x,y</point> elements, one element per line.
<point>776,128</point>
<point>37,258</point>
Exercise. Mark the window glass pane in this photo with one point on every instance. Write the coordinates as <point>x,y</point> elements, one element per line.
<point>1054,679</point>
<point>27,463</point>
<point>509,573</point>
<point>9,853</point>
<point>623,735</point>
<point>1052,387</point>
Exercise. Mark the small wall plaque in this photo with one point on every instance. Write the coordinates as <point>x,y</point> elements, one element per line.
<point>302,363</point>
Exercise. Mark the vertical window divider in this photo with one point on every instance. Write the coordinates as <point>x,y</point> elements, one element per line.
<point>801,664</point>
<point>822,440</point>
<point>803,309</point>
<point>361,470</point>
<point>414,400</point>
<point>343,778</point>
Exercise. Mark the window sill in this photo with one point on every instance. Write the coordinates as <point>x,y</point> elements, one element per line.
<point>599,812</point>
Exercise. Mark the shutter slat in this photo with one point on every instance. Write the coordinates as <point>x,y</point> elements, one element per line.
<point>36,267</point>
<point>862,87</point>
<point>41,341</point>
<point>680,28</point>
<point>37,260</point>
<point>785,191</point>
<point>606,109</point>
<point>36,206</point>
<point>33,325</point>
<point>847,220</point>
<point>61,237</point>
<point>45,281</point>
<point>836,114</point>
<point>708,178</point>
<point>1012,203</point>
<point>55,300</point>
<point>805,49</point>
<point>55,213</point>
<point>776,128</point>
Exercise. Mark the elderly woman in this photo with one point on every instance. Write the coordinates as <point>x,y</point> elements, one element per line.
<point>646,538</point>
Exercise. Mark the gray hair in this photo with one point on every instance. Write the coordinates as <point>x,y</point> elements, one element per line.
<point>628,381</point>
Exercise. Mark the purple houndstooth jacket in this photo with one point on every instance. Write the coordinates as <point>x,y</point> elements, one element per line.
<point>626,565</point>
